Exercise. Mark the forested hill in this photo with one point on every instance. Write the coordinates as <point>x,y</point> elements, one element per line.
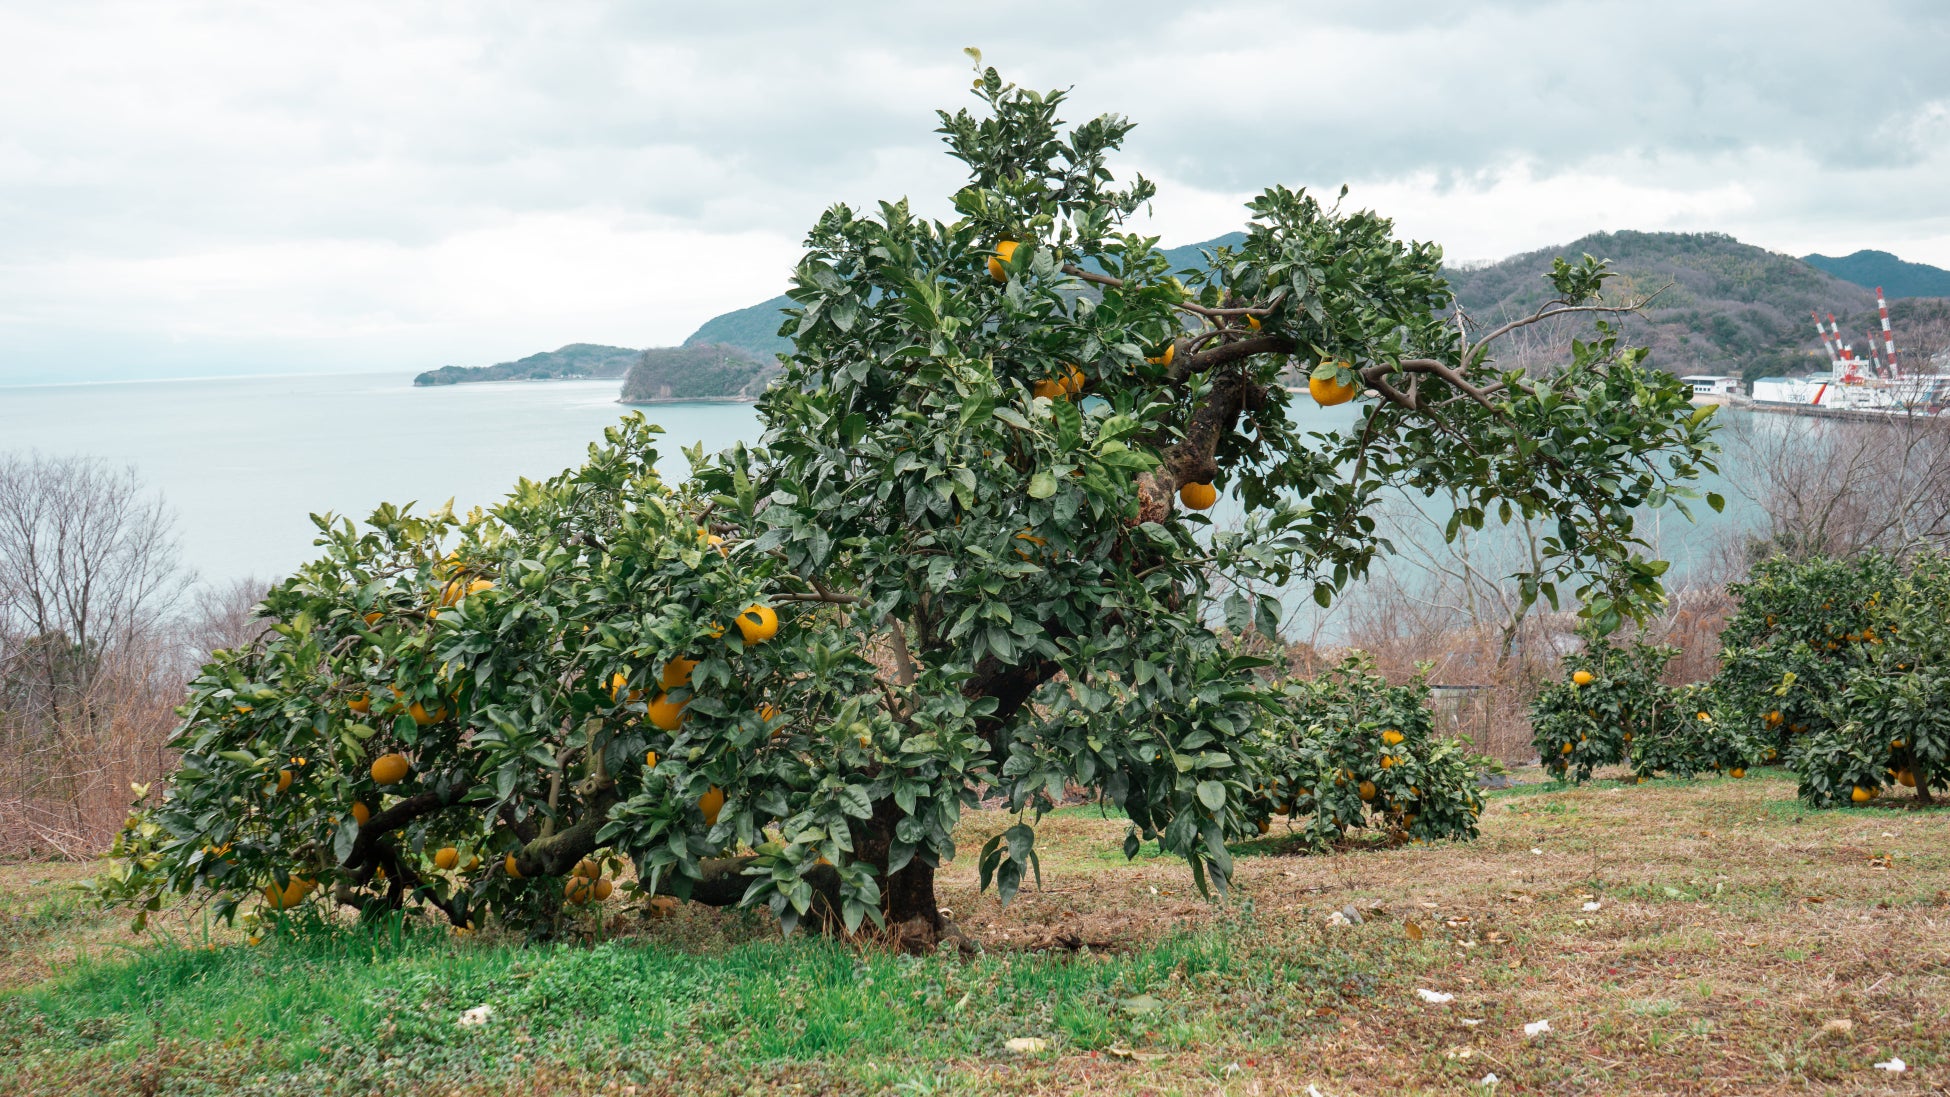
<point>576,360</point>
<point>697,371</point>
<point>1732,307</point>
<point>1897,278</point>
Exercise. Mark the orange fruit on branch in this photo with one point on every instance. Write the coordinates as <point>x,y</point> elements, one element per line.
<point>446,858</point>
<point>1583,678</point>
<point>711,803</point>
<point>1330,391</point>
<point>1005,251</point>
<point>361,813</point>
<point>390,769</point>
<point>1198,496</point>
<point>665,713</point>
<point>677,673</point>
<point>758,624</point>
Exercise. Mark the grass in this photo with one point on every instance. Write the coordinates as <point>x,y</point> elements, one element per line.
<point>1733,933</point>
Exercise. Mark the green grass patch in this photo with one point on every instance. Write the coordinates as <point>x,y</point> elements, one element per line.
<point>312,1003</point>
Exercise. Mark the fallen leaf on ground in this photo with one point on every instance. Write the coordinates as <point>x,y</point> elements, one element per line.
<point>1134,1054</point>
<point>1893,1066</point>
<point>476,1017</point>
<point>1839,1026</point>
<point>1026,1045</point>
<point>1413,929</point>
<point>1433,997</point>
<point>1536,1028</point>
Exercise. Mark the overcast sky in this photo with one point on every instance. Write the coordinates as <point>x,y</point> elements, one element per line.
<point>193,189</point>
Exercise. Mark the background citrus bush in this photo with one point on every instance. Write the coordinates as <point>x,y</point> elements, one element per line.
<point>1839,666</point>
<point>1347,749</point>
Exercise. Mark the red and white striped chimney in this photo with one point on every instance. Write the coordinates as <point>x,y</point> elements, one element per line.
<point>1826,346</point>
<point>1888,340</point>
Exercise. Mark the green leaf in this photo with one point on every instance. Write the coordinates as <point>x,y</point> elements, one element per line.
<point>1212,794</point>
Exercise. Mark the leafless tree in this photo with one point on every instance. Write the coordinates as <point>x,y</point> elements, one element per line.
<point>1838,486</point>
<point>89,670</point>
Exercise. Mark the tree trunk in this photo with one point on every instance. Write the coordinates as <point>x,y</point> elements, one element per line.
<point>906,897</point>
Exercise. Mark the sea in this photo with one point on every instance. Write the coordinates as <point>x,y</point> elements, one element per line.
<point>244,462</point>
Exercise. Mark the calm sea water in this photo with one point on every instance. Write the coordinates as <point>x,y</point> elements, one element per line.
<point>244,462</point>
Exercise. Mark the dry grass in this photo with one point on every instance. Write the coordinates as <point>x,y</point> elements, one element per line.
<point>1734,932</point>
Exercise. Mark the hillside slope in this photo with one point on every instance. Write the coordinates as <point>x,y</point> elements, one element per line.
<point>576,360</point>
<point>704,371</point>
<point>1879,268</point>
<point>1732,307</point>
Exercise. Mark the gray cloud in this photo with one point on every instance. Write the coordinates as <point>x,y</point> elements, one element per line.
<point>407,184</point>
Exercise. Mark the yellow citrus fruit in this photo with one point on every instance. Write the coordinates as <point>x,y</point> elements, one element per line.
<point>422,717</point>
<point>1252,322</point>
<point>665,713</point>
<point>710,804</point>
<point>1737,772</point>
<point>1566,750</point>
<point>361,813</point>
<point>677,673</point>
<point>1198,496</point>
<point>1906,778</point>
<point>1391,737</point>
<point>284,779</point>
<point>1170,352</point>
<point>512,866</point>
<point>576,889</point>
<point>1862,794</point>
<point>1773,719</point>
<point>1388,761</point>
<point>389,769</point>
<point>1330,392</point>
<point>650,760</point>
<point>446,857</point>
<point>1367,790</point>
<point>602,890</point>
<point>361,704</point>
<point>586,869</point>
<point>768,713</point>
<point>1073,379</point>
<point>1005,250</point>
<point>460,588</point>
<point>1583,678</point>
<point>372,618</point>
<point>1047,389</point>
<point>758,624</point>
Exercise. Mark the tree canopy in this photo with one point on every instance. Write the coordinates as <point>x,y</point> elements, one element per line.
<point>968,559</point>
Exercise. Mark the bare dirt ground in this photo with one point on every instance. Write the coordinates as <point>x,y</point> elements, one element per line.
<point>1678,938</point>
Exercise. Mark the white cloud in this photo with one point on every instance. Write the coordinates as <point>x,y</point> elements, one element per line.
<point>217,186</point>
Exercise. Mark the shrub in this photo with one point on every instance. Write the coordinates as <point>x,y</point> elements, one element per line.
<point>1839,666</point>
<point>1610,704</point>
<point>1346,750</point>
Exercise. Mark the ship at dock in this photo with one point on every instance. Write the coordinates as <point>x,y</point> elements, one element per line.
<point>1875,384</point>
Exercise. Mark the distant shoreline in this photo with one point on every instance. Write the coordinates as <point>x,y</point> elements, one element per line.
<point>662,400</point>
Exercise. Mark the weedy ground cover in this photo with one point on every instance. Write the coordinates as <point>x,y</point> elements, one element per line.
<point>1679,936</point>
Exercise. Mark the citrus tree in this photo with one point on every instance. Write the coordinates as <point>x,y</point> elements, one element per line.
<point>1348,750</point>
<point>969,558</point>
<point>1610,706</point>
<point>1841,664</point>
